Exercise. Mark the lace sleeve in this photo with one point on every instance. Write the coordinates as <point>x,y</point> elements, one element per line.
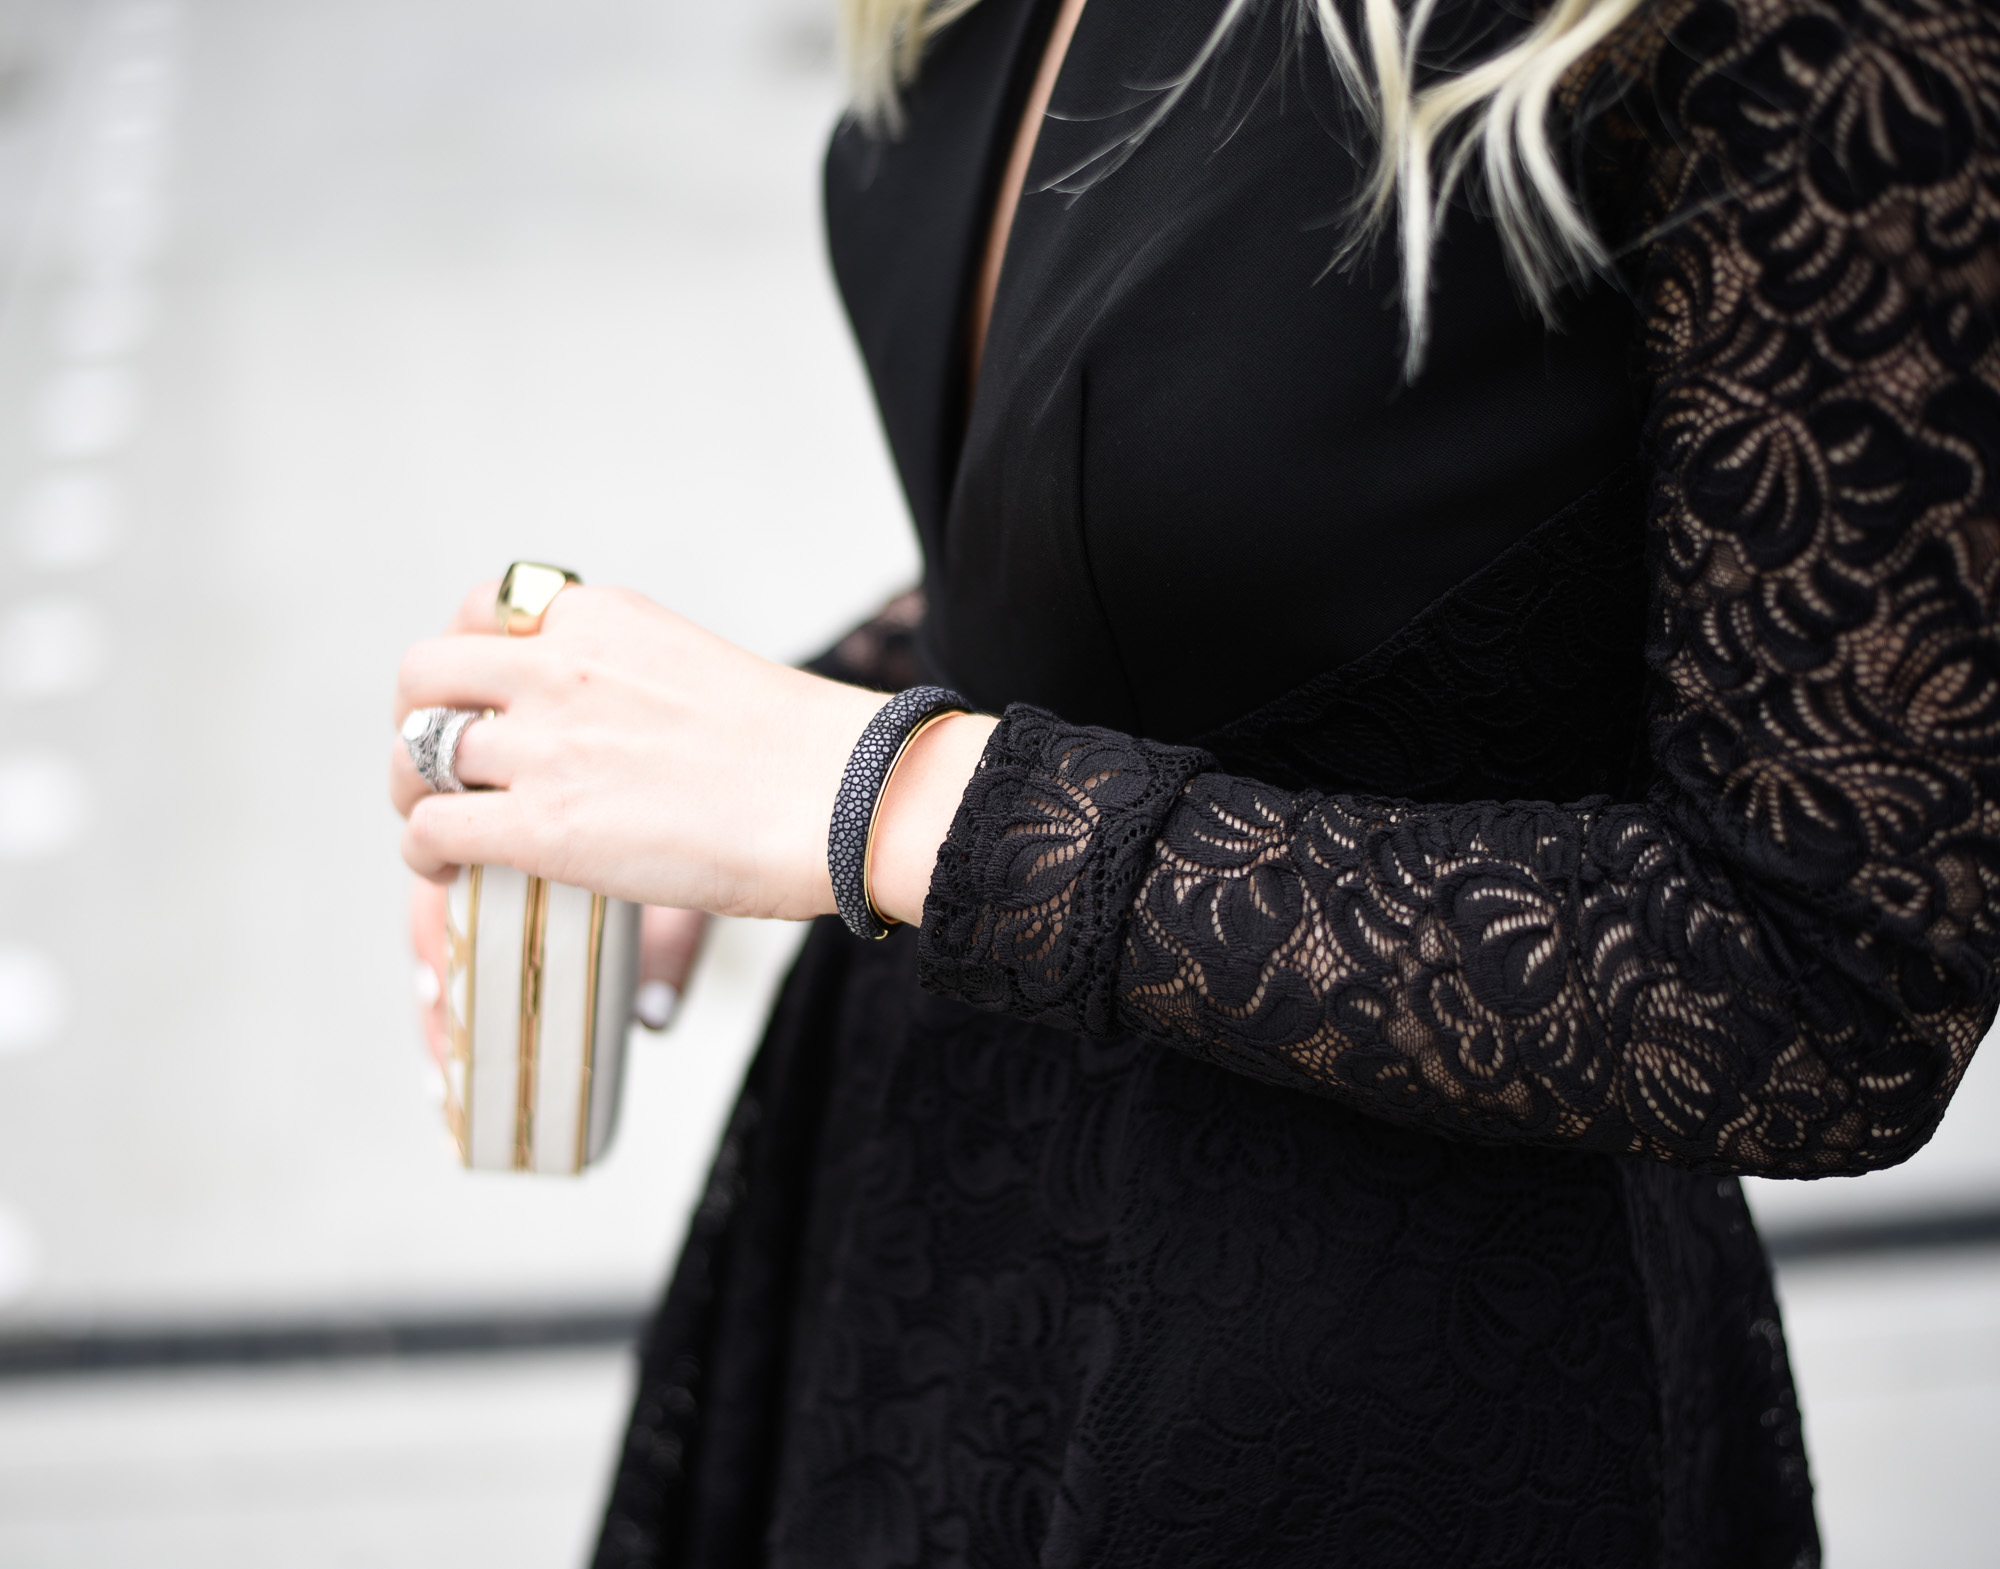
<point>880,653</point>
<point>1782,960</point>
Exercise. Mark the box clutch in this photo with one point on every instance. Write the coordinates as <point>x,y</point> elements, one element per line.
<point>538,992</point>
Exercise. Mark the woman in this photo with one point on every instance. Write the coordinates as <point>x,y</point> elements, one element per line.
<point>1469,779</point>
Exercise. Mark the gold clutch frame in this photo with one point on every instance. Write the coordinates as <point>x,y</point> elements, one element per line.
<point>538,994</point>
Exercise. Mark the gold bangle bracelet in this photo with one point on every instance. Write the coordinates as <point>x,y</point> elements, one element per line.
<point>875,816</point>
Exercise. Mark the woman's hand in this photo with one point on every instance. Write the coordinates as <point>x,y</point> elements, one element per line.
<point>634,754</point>
<point>669,943</point>
<point>432,948</point>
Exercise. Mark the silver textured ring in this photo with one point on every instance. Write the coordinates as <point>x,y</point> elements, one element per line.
<point>432,736</point>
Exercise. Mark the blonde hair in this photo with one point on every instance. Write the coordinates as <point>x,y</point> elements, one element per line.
<point>1496,111</point>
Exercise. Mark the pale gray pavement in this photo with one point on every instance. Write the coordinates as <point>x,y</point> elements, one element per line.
<point>434,283</point>
<point>316,311</point>
<point>499,1463</point>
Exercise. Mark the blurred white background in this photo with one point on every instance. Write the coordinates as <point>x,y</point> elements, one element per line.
<point>315,312</point>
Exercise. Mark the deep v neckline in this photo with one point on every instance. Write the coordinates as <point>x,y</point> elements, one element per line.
<point>990,260</point>
<point>908,218</point>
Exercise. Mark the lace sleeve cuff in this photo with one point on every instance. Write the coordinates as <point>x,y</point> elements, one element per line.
<point>1034,883</point>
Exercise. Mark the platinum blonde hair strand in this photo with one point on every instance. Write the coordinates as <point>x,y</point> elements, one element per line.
<point>1494,111</point>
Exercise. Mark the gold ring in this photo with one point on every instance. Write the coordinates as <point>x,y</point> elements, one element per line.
<point>526,593</point>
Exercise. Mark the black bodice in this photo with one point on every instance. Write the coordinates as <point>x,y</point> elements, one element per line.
<point>1190,478</point>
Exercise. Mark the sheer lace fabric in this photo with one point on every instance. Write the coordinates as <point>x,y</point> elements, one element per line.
<point>1780,960</point>
<point>882,651</point>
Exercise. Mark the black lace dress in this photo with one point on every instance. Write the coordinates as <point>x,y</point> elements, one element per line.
<point>1308,1134</point>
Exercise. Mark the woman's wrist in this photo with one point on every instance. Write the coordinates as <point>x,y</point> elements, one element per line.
<point>918,804</point>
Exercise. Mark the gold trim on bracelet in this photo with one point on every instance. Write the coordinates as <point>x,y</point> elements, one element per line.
<point>875,812</point>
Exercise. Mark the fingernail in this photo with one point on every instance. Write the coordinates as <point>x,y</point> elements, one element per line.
<point>434,1085</point>
<point>656,1005</point>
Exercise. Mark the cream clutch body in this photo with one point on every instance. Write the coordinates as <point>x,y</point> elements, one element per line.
<point>539,993</point>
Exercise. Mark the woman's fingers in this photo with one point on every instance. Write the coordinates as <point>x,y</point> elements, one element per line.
<point>478,828</point>
<point>485,758</point>
<point>479,611</point>
<point>632,753</point>
<point>406,786</point>
<point>484,761</point>
<point>429,943</point>
<point>669,941</point>
<point>460,672</point>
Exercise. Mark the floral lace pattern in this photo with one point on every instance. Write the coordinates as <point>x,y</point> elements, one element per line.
<point>882,651</point>
<point>1782,960</point>
<point>1102,1306</point>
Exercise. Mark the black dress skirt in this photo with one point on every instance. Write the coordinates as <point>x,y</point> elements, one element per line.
<point>1440,832</point>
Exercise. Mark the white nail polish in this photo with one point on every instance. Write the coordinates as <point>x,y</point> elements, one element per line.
<point>655,1005</point>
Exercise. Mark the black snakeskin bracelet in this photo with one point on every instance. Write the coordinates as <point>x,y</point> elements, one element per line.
<point>874,758</point>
